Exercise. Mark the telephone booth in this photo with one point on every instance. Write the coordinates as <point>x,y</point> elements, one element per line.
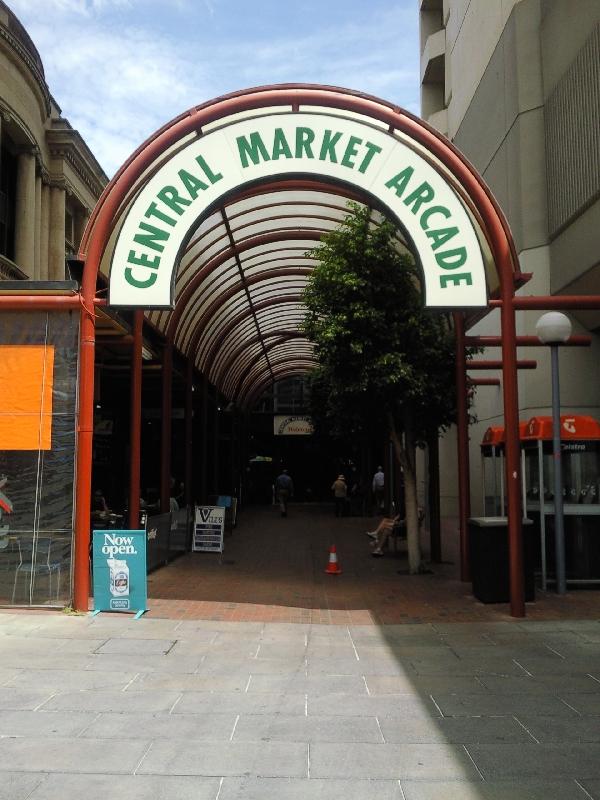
<point>492,471</point>
<point>580,447</point>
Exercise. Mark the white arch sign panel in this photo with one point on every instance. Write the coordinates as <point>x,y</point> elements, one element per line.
<point>320,145</point>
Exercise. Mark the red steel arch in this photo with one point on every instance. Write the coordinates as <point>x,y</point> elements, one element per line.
<point>107,214</point>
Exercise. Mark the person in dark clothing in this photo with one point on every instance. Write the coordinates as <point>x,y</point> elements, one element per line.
<point>284,491</point>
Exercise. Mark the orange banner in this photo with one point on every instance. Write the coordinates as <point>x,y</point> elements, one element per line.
<point>26,381</point>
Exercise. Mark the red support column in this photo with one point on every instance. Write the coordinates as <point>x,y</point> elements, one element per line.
<point>165,443</point>
<point>189,430</point>
<point>85,433</point>
<point>135,438</point>
<point>462,440</point>
<point>513,466</point>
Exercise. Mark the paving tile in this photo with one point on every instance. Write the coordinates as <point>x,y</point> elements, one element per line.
<point>218,664</point>
<point>241,703</point>
<point>542,684</point>
<point>477,790</point>
<point>588,704</point>
<point>562,729</point>
<point>541,761</point>
<point>58,679</point>
<point>381,761</point>
<point>397,705</point>
<point>136,647</point>
<point>454,730</point>
<point>130,787</point>
<point>312,684</point>
<point>150,663</point>
<point>262,759</point>
<point>39,723</point>
<point>201,727</point>
<point>151,681</point>
<point>350,666</point>
<point>423,685</point>
<point>70,755</point>
<point>499,704</point>
<point>19,786</point>
<point>303,789</point>
<point>592,788</point>
<point>465,667</point>
<point>119,702</point>
<point>25,699</point>
<point>254,728</point>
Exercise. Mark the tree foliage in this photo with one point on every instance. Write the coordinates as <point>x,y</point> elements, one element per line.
<point>382,357</point>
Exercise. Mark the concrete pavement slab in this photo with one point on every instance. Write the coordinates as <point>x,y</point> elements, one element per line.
<point>560,729</point>
<point>136,647</point>
<point>588,704</point>
<point>119,702</point>
<point>398,705</point>
<point>541,761</point>
<point>409,761</point>
<point>128,787</point>
<point>71,755</point>
<point>150,663</point>
<point>260,727</point>
<point>241,703</point>
<point>313,789</point>
<point>312,684</point>
<point>151,681</point>
<point>454,730</point>
<point>38,723</point>
<point>23,699</point>
<point>424,685</point>
<point>542,684</point>
<point>471,705</point>
<point>210,727</point>
<point>18,785</point>
<point>59,679</point>
<point>507,790</point>
<point>255,759</point>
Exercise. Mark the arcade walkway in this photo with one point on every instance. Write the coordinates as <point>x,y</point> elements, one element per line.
<point>273,571</point>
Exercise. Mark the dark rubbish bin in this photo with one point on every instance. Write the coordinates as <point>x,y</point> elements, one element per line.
<point>488,550</point>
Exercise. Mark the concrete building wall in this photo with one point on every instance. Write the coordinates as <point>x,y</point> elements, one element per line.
<point>522,100</point>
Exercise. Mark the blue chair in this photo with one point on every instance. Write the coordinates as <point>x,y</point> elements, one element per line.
<point>35,558</point>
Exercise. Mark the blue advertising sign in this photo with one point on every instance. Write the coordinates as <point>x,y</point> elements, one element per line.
<point>119,571</point>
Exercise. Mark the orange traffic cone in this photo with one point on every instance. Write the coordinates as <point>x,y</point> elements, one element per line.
<point>333,568</point>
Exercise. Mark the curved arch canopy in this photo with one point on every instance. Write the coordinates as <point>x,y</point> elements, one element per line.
<point>212,221</point>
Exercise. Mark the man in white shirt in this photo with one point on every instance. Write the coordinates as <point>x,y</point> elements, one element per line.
<point>379,489</point>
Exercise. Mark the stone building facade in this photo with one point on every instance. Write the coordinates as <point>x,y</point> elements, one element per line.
<point>50,180</point>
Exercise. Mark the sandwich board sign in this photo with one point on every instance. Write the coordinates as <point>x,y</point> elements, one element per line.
<point>209,525</point>
<point>119,566</point>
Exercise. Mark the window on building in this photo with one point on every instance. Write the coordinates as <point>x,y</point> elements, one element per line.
<point>8,190</point>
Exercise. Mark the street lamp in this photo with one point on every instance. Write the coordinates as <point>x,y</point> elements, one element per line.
<point>554,329</point>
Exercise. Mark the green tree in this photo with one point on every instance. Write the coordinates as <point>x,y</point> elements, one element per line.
<point>382,358</point>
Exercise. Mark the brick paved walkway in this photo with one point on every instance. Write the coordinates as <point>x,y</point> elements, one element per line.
<point>272,570</point>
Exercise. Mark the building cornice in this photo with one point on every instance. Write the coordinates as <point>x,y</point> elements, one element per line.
<point>66,143</point>
<point>26,58</point>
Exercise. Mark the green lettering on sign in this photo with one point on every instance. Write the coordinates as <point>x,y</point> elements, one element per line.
<point>171,197</point>
<point>139,284</point>
<point>440,237</point>
<point>152,238</point>
<point>351,152</point>
<point>328,146</point>
<point>192,184</point>
<point>255,149</point>
<point>400,181</point>
<point>456,278</point>
<point>372,149</point>
<point>304,139</point>
<point>280,145</point>
<point>452,259</point>
<point>422,194</point>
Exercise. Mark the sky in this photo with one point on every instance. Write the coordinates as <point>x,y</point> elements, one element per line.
<point>120,69</point>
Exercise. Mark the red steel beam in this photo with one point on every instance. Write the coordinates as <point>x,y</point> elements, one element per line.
<point>552,302</point>
<point>462,439</point>
<point>526,341</point>
<point>135,420</point>
<point>484,382</point>
<point>491,364</point>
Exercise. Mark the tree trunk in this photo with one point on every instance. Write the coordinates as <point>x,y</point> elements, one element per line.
<point>406,455</point>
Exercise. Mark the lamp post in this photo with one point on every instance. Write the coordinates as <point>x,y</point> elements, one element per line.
<point>554,329</point>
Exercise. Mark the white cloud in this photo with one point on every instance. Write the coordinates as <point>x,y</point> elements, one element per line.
<point>118,84</point>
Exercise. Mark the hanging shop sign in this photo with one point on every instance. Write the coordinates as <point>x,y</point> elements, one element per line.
<point>119,567</point>
<point>292,425</point>
<point>420,197</point>
<point>209,527</point>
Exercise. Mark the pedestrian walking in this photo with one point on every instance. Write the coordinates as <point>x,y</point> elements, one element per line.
<point>379,490</point>
<point>284,491</point>
<point>340,491</point>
